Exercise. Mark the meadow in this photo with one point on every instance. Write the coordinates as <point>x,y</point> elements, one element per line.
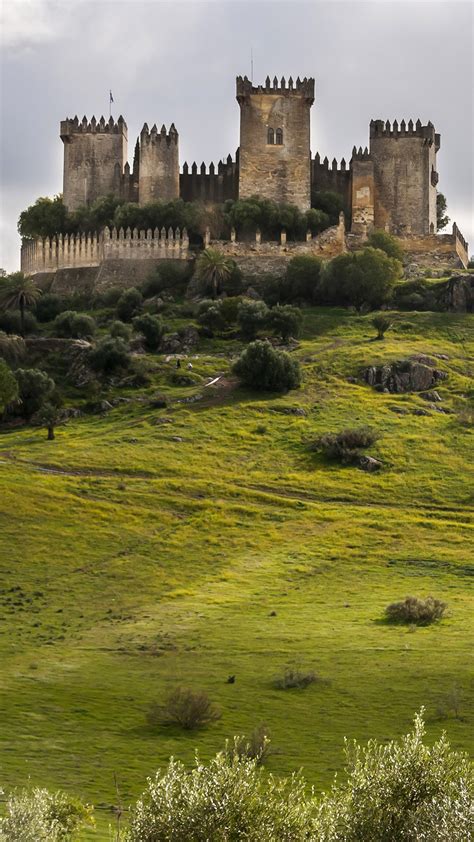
<point>149,548</point>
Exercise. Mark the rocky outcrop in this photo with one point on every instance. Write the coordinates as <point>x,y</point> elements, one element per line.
<point>417,374</point>
<point>457,295</point>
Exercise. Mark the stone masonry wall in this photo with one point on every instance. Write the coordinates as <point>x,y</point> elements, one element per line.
<point>158,178</point>
<point>94,156</point>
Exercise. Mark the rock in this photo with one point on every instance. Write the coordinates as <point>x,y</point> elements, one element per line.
<point>368,463</point>
<point>252,293</point>
<point>104,406</point>
<point>351,379</point>
<point>412,375</point>
<point>434,396</point>
<point>158,402</point>
<point>289,410</point>
<point>177,438</point>
<point>171,344</point>
<point>400,410</point>
<point>420,412</point>
<point>458,294</point>
<point>189,337</point>
<point>157,422</point>
<point>70,412</point>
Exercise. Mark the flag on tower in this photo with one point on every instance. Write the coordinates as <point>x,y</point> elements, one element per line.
<point>111,97</point>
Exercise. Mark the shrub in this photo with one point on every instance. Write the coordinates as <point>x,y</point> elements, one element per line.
<point>387,243</point>
<point>302,279</point>
<point>190,708</point>
<point>421,612</point>
<point>151,327</point>
<point>34,389</point>
<point>346,445</point>
<point>49,306</point>
<point>108,297</point>
<point>381,325</point>
<point>251,317</point>
<point>262,367</point>
<point>210,315</point>
<point>362,278</point>
<point>74,325</point>
<point>294,678</point>
<point>285,321</point>
<point>227,799</point>
<point>110,355</point>
<point>168,275</point>
<point>330,203</point>
<point>36,815</point>
<point>256,747</point>
<point>8,386</point>
<point>119,330</point>
<point>129,304</point>
<point>10,322</point>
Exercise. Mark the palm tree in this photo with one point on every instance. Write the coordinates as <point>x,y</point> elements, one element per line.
<point>214,268</point>
<point>11,347</point>
<point>18,292</point>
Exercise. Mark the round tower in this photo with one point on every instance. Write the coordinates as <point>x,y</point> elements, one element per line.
<point>158,178</point>
<point>275,140</point>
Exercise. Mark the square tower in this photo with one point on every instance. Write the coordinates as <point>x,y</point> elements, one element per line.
<point>275,155</point>
<point>94,158</point>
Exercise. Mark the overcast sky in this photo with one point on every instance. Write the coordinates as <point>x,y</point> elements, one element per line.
<point>177,61</point>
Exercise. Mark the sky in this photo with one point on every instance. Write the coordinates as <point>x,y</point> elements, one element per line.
<point>177,62</point>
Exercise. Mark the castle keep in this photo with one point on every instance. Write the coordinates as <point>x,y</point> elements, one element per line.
<point>391,184</point>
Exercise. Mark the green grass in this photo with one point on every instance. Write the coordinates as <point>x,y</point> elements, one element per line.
<point>144,563</point>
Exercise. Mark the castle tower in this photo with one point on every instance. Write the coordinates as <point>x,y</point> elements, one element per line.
<point>405,177</point>
<point>275,140</point>
<point>94,157</point>
<point>158,165</point>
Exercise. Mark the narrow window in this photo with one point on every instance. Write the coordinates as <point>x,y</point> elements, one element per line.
<point>279,137</point>
<point>270,136</point>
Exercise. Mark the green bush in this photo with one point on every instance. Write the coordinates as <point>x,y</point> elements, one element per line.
<point>421,612</point>
<point>151,328</point>
<point>10,322</point>
<point>119,330</point>
<point>8,386</point>
<point>190,709</point>
<point>346,446</point>
<point>35,388</point>
<point>262,367</point>
<point>49,306</point>
<point>387,243</point>
<point>129,304</point>
<point>362,278</point>
<point>251,317</point>
<point>302,279</point>
<point>108,297</point>
<point>330,203</point>
<point>74,325</point>
<point>382,324</point>
<point>169,275</point>
<point>295,679</point>
<point>110,355</point>
<point>285,321</point>
<point>36,815</point>
<point>257,746</point>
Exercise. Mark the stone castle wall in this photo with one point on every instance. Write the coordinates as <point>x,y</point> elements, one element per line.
<point>95,154</point>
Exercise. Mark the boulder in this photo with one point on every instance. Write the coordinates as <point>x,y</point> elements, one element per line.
<point>458,294</point>
<point>433,397</point>
<point>369,464</point>
<point>413,375</point>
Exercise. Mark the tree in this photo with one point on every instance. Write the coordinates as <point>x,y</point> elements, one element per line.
<point>362,278</point>
<point>251,317</point>
<point>441,207</point>
<point>330,203</point>
<point>285,321</point>
<point>129,304</point>
<point>301,281</point>
<point>8,386</point>
<point>151,327</point>
<point>110,355</point>
<point>262,367</point>
<point>45,218</point>
<point>381,325</point>
<point>18,292</point>
<point>49,306</point>
<point>35,388</point>
<point>386,242</point>
<point>49,416</point>
<point>74,325</point>
<point>214,269</point>
<point>400,792</point>
<point>230,798</point>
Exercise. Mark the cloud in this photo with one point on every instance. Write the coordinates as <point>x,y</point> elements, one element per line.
<point>25,23</point>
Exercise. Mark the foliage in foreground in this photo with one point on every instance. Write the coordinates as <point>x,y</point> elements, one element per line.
<point>37,815</point>
<point>262,367</point>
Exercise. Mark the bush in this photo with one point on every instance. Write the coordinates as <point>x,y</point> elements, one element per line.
<point>8,386</point>
<point>74,325</point>
<point>172,275</point>
<point>294,678</point>
<point>36,815</point>
<point>227,799</point>
<point>302,278</point>
<point>285,321</point>
<point>49,306</point>
<point>362,278</point>
<point>381,325</point>
<point>255,747</point>
<point>251,317</point>
<point>119,330</point>
<point>151,327</point>
<point>384,241</point>
<point>188,708</point>
<point>346,445</point>
<point>34,389</point>
<point>262,367</point>
<point>110,355</point>
<point>10,322</point>
<point>210,316</point>
<point>129,304</point>
<point>108,297</point>
<point>330,203</point>
<point>421,612</point>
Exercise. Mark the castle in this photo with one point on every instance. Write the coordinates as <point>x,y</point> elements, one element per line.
<point>391,184</point>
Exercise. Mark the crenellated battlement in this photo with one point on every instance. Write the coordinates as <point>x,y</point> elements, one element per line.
<point>302,87</point>
<point>210,183</point>
<point>379,128</point>
<point>360,154</point>
<point>75,126</point>
<point>153,136</point>
<point>333,166</point>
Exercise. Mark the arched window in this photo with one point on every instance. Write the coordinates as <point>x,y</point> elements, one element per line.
<point>270,136</point>
<point>279,137</point>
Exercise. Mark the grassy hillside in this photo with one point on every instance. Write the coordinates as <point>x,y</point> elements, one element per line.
<point>138,555</point>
